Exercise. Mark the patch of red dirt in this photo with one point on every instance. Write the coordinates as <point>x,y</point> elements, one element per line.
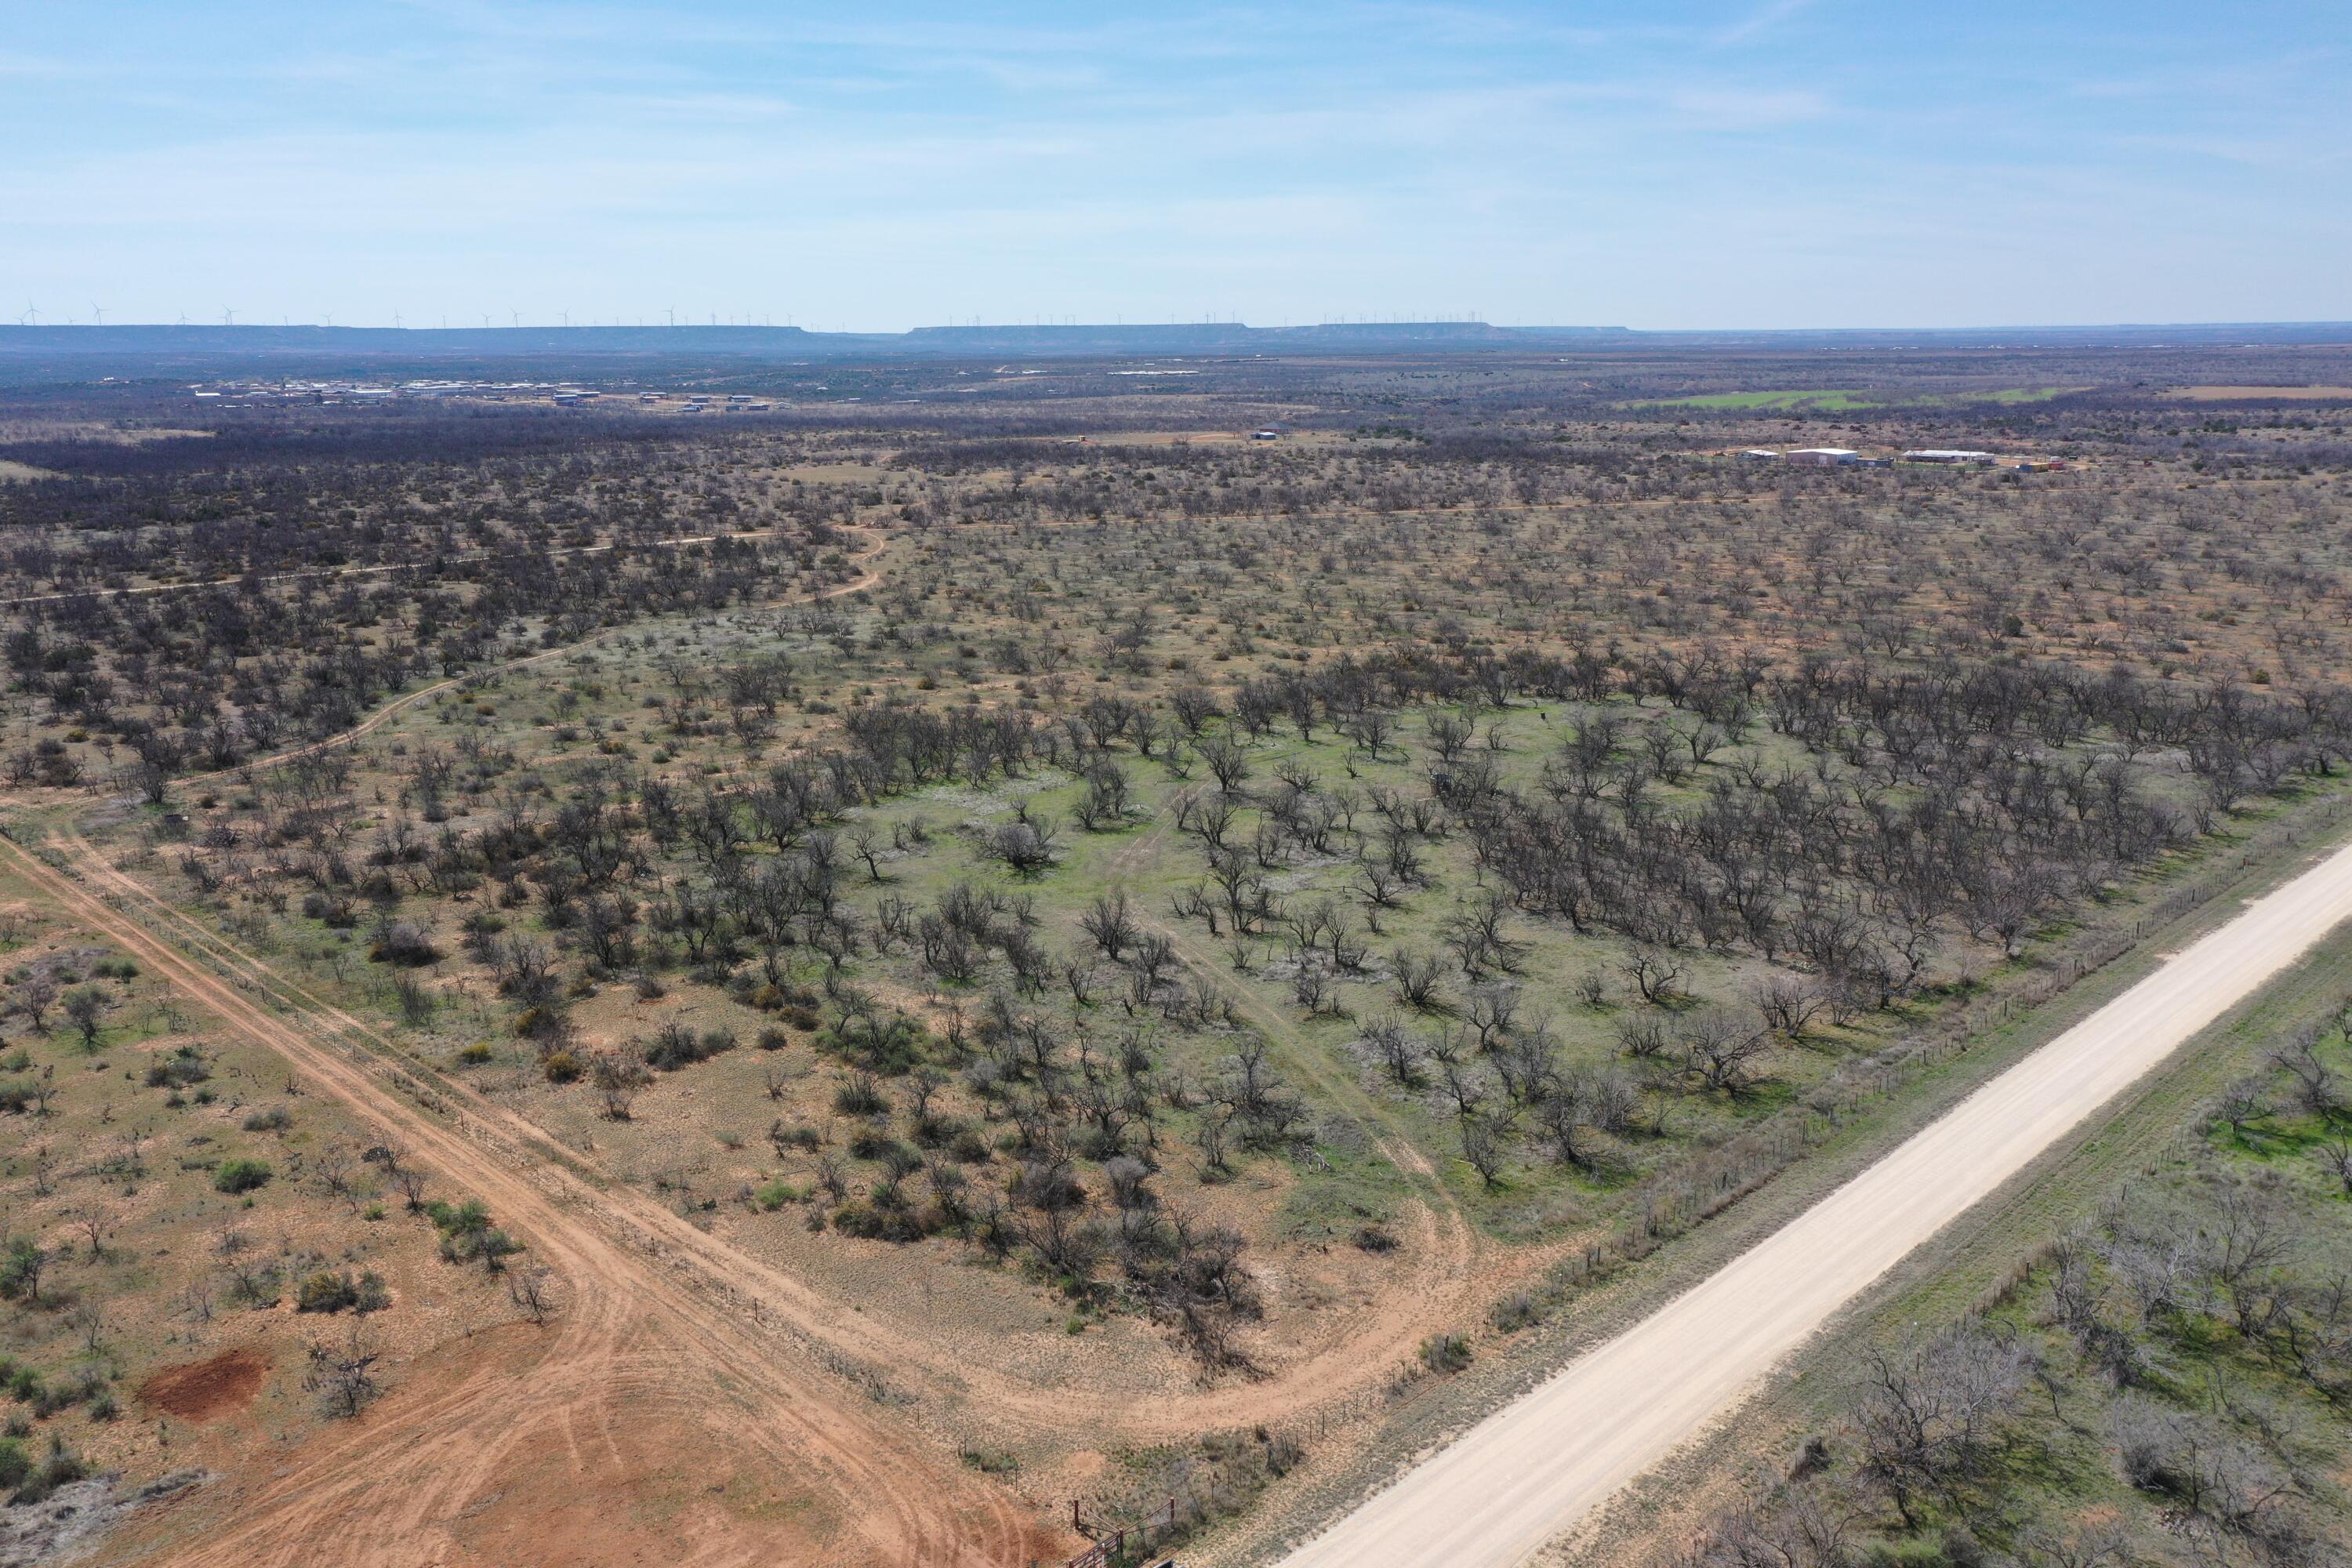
<point>217,1386</point>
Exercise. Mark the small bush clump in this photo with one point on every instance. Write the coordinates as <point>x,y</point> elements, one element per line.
<point>242,1175</point>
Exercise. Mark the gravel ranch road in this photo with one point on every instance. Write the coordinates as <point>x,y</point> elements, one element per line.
<point>1529,1471</point>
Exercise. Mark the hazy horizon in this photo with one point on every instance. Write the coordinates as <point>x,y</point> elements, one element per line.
<point>1067,324</point>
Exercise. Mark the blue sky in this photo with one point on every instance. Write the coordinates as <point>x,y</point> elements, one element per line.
<point>1755,163</point>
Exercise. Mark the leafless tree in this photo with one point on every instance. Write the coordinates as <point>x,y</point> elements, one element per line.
<point>531,1291</point>
<point>1485,1143</point>
<point>1655,973</point>
<point>344,1376</point>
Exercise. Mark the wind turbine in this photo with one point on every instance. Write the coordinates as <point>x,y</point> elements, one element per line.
<point>396,319</point>
<point>99,314</point>
<point>30,315</point>
<point>229,317</point>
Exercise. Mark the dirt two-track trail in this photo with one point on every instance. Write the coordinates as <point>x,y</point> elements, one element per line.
<point>662,1326</point>
<point>637,1333</point>
<point>1496,1495</point>
<point>644,1354</point>
<point>660,1317</point>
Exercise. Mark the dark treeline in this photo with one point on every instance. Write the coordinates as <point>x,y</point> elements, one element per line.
<point>210,523</point>
<point>401,433</point>
<point>206,677</point>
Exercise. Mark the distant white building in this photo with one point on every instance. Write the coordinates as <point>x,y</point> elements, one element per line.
<point>1761,454</point>
<point>1823,457</point>
<point>1945,454</point>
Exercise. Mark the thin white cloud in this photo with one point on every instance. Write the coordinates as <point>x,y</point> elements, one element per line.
<point>1765,18</point>
<point>1292,160</point>
<point>1737,109</point>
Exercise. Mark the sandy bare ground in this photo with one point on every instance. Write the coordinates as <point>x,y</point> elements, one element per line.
<point>639,1332</point>
<point>647,1351</point>
<point>1532,1469</point>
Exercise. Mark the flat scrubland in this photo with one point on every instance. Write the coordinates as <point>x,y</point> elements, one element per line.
<point>1113,962</point>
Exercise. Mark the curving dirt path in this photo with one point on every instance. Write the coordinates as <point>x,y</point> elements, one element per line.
<point>1447,1280</point>
<point>667,1325</point>
<point>1450,1261</point>
<point>1442,1288</point>
<point>1493,1497</point>
<point>639,1334</point>
<point>377,720</point>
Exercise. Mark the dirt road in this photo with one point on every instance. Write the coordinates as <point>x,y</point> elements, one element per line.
<point>1442,1287</point>
<point>1444,1281</point>
<point>649,1352</point>
<point>1493,1497</point>
<point>639,1328</point>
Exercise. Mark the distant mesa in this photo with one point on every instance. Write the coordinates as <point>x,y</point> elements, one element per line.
<point>165,344</point>
<point>777,342</point>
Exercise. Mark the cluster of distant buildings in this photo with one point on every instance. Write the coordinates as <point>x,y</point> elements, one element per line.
<point>1846,456</point>
<point>562,394</point>
<point>297,390</point>
<point>699,403</point>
